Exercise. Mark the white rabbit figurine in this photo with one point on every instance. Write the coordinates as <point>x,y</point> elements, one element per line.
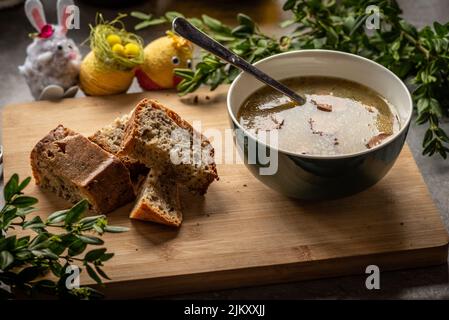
<point>53,61</point>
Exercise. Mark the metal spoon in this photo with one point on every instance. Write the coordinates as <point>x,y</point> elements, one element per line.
<point>190,32</point>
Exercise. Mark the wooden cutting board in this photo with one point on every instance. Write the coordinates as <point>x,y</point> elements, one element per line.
<point>241,233</point>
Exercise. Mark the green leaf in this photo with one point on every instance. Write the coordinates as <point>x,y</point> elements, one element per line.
<point>101,272</point>
<point>286,23</point>
<point>57,216</point>
<point>94,254</point>
<point>410,29</point>
<point>435,108</point>
<point>24,255</point>
<point>213,24</point>
<point>430,149</point>
<point>50,254</point>
<point>24,183</point>
<point>141,15</point>
<point>396,45</point>
<point>223,38</point>
<point>8,243</point>
<point>6,259</point>
<point>98,229</point>
<point>41,237</point>
<point>22,212</point>
<point>74,214</point>
<point>57,247</point>
<point>76,248</point>
<point>422,118</point>
<point>93,274</point>
<point>422,105</point>
<point>107,256</point>
<point>56,268</point>
<point>90,239</point>
<point>88,220</point>
<point>241,31</point>
<point>8,216</point>
<point>115,229</point>
<point>245,20</point>
<point>288,5</point>
<point>42,245</point>
<point>34,223</point>
<point>319,43</point>
<point>357,24</point>
<point>196,22</point>
<point>23,201</point>
<point>22,242</point>
<point>440,29</point>
<point>171,15</point>
<point>30,273</point>
<point>11,187</point>
<point>44,253</point>
<point>149,23</point>
<point>184,73</point>
<point>442,135</point>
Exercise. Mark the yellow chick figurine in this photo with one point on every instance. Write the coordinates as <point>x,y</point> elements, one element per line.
<point>162,56</point>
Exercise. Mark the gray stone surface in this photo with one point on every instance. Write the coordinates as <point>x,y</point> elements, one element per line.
<point>424,283</point>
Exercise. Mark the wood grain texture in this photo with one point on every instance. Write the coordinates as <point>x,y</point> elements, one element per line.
<point>241,233</point>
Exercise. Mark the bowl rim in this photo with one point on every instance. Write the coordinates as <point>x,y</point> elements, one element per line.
<point>404,127</point>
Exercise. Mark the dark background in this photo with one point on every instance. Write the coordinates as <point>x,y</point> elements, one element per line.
<point>425,283</point>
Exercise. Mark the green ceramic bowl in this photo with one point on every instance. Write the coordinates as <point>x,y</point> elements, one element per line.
<point>321,177</point>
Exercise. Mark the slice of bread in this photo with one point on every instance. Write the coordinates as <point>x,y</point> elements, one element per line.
<point>73,167</point>
<point>158,201</point>
<point>110,139</point>
<point>159,138</point>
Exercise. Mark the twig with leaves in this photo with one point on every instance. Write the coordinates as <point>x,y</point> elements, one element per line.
<point>25,259</point>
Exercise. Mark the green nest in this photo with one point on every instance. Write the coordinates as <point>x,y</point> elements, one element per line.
<point>103,51</point>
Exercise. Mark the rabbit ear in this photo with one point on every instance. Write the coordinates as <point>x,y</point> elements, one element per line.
<point>63,13</point>
<point>35,13</point>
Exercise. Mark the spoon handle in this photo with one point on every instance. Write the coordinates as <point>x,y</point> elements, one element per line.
<point>190,32</point>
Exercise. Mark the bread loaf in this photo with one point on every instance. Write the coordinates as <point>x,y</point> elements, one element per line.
<point>73,167</point>
<point>159,138</point>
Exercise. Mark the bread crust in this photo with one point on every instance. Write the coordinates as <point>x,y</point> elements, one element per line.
<point>146,212</point>
<point>131,134</point>
<point>98,175</point>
